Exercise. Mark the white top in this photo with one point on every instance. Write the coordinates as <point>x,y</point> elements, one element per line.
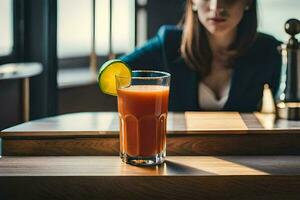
<point>207,98</point>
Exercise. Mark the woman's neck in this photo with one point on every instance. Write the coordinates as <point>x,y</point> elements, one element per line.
<point>221,42</point>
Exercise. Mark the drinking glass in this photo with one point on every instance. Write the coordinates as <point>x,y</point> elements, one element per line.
<point>143,107</point>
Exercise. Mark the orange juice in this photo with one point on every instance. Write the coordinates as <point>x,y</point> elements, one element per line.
<point>143,114</point>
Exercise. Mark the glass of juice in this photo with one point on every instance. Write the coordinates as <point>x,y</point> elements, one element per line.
<point>143,108</point>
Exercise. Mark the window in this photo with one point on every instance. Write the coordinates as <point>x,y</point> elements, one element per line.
<point>141,21</point>
<point>75,27</point>
<point>274,13</point>
<point>6,27</point>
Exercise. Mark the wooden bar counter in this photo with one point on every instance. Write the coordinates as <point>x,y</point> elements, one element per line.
<point>181,177</point>
<point>209,156</point>
<point>189,134</point>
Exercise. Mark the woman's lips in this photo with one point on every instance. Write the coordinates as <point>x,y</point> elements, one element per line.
<point>217,20</point>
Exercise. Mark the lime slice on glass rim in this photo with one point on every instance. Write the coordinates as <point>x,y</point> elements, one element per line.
<point>108,72</point>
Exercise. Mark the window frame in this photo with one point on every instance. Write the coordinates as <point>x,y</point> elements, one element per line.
<point>84,61</point>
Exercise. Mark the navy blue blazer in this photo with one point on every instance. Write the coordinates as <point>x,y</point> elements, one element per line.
<point>261,64</point>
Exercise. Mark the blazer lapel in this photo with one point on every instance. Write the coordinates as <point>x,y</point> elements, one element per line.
<point>184,87</point>
<point>241,77</point>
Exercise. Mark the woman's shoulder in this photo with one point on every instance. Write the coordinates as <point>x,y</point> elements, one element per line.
<point>158,50</point>
<point>265,47</point>
<point>170,34</point>
<point>170,39</point>
<point>264,40</point>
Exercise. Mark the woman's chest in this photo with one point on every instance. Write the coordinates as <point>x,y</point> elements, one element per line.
<point>217,80</point>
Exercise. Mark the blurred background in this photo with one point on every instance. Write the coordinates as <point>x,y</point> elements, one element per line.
<point>71,38</point>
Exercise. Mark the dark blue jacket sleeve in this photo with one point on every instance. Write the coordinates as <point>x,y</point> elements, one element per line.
<point>158,52</point>
<point>149,56</point>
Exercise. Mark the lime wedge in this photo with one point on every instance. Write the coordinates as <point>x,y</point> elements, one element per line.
<point>107,73</point>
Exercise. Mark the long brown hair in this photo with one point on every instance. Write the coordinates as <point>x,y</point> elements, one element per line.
<point>195,47</point>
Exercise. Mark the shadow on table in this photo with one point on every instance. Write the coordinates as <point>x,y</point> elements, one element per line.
<point>280,165</point>
<point>182,169</point>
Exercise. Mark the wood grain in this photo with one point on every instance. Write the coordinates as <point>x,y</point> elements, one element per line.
<point>174,166</point>
<point>212,121</point>
<point>106,124</point>
<point>97,134</point>
<point>271,177</point>
<point>256,144</point>
<point>103,124</point>
<point>271,122</point>
<point>150,187</point>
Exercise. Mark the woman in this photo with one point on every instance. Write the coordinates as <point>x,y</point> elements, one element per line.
<point>216,58</point>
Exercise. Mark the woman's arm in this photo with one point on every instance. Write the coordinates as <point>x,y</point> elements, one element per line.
<point>149,56</point>
<point>158,52</point>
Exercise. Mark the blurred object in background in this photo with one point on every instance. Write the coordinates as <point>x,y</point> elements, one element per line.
<point>75,27</point>
<point>268,104</point>
<point>15,92</point>
<point>27,37</point>
<point>289,106</point>
<point>6,27</point>
<point>135,21</point>
<point>274,13</point>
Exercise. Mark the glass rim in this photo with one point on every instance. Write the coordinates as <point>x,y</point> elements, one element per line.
<point>162,73</point>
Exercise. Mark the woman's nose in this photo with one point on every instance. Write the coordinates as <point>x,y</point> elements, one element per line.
<point>216,5</point>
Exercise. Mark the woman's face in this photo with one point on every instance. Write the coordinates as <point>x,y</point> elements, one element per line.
<point>220,16</point>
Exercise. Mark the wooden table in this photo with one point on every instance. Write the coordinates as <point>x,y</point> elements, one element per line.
<point>105,177</point>
<point>250,156</point>
<point>189,134</point>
